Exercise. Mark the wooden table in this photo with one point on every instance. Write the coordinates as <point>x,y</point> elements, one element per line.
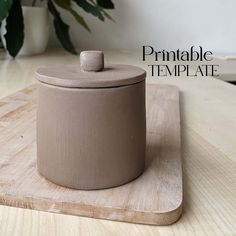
<point>208,113</point>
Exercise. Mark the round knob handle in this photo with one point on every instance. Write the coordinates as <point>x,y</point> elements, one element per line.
<point>92,60</point>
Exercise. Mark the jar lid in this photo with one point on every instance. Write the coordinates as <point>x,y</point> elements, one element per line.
<point>91,73</point>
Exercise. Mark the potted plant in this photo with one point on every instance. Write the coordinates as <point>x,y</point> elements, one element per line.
<point>25,30</point>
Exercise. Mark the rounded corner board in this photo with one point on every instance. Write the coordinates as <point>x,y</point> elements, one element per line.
<point>153,198</point>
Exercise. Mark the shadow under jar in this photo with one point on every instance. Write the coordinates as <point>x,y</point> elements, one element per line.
<point>91,123</point>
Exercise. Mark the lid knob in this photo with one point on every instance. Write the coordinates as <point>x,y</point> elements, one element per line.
<point>92,60</point>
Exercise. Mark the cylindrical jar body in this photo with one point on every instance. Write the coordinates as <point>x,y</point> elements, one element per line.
<point>91,138</point>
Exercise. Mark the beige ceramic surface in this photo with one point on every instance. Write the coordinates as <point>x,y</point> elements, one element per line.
<point>91,138</point>
<point>153,198</point>
<point>92,61</point>
<point>71,76</point>
<point>90,72</point>
<point>208,119</point>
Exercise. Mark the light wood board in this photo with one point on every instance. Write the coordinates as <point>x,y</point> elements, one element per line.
<point>154,198</point>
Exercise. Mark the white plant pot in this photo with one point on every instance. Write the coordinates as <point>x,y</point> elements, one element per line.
<point>36,30</point>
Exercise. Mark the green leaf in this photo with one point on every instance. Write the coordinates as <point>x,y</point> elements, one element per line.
<point>15,29</point>
<point>102,10</point>
<point>66,4</point>
<point>107,4</point>
<point>61,28</point>
<point>106,14</point>
<point>88,7</point>
<point>80,19</point>
<point>5,6</point>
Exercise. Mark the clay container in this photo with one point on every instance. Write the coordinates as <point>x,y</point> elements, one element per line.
<point>91,123</point>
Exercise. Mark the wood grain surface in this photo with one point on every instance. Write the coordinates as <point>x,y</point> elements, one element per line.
<point>208,124</point>
<point>153,198</point>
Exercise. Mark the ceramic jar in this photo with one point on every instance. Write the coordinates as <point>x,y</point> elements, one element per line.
<point>91,123</point>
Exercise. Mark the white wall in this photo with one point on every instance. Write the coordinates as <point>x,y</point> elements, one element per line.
<point>166,24</point>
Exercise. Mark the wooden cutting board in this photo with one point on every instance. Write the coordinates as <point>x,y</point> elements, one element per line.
<point>153,198</point>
